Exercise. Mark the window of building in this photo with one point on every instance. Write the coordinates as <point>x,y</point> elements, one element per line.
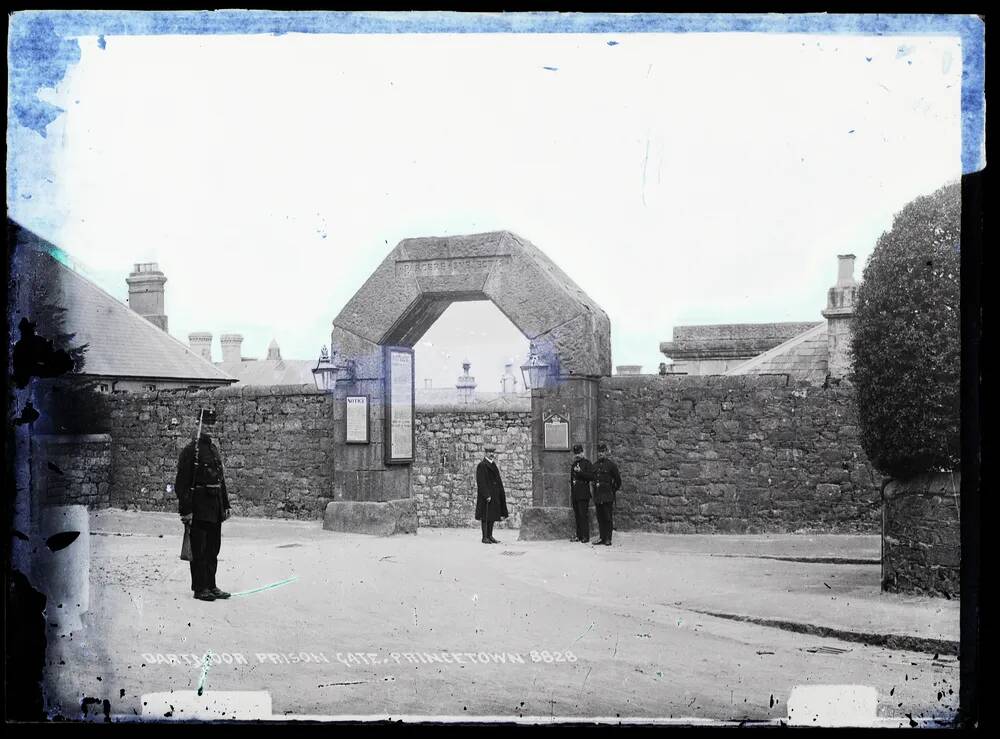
<point>149,387</point>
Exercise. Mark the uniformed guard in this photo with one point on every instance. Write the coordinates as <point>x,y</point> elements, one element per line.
<point>607,482</point>
<point>580,476</point>
<point>491,501</point>
<point>204,504</point>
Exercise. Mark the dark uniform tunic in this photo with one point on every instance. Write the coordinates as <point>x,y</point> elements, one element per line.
<point>202,493</point>
<point>607,482</point>
<point>580,476</point>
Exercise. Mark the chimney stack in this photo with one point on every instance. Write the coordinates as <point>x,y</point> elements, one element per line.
<point>231,347</point>
<point>466,385</point>
<point>838,314</point>
<point>145,293</point>
<point>201,344</point>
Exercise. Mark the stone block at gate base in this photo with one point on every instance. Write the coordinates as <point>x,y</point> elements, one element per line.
<point>367,517</point>
<point>547,523</point>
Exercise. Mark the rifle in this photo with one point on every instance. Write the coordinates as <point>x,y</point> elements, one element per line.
<point>186,543</point>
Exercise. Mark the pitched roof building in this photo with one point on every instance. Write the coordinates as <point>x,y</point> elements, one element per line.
<point>714,349</point>
<point>811,351</point>
<point>248,371</point>
<point>824,350</point>
<point>124,350</point>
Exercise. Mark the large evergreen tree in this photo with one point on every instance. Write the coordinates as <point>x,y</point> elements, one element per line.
<point>906,340</point>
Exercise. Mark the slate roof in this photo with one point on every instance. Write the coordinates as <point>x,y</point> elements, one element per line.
<point>271,371</point>
<point>121,343</point>
<point>803,357</point>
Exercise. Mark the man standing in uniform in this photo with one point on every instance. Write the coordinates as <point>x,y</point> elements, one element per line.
<point>491,502</point>
<point>580,476</point>
<point>607,482</point>
<point>204,504</point>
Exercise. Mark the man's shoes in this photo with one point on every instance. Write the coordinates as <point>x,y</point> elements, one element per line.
<point>219,594</point>
<point>606,543</point>
<point>576,538</point>
<point>204,595</point>
<point>486,541</point>
<point>598,542</point>
<point>494,541</point>
<point>584,541</point>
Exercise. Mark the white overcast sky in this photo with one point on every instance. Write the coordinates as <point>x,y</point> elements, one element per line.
<point>677,178</point>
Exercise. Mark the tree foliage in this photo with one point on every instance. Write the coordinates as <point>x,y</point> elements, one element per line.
<point>906,340</point>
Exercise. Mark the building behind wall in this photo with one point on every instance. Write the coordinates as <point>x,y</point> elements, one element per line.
<point>718,348</point>
<point>258,372</point>
<point>821,353</point>
<point>811,351</point>
<point>125,351</point>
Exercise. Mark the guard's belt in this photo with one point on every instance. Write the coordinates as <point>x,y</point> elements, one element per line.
<point>209,485</point>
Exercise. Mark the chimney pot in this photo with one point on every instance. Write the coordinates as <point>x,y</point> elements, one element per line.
<point>845,270</point>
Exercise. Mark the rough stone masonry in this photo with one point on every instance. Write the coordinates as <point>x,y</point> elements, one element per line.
<point>741,454</point>
<point>276,444</point>
<point>449,446</point>
<point>747,454</point>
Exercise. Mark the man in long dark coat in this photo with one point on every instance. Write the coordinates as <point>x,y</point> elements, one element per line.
<point>204,504</point>
<point>607,482</point>
<point>491,502</point>
<point>580,476</point>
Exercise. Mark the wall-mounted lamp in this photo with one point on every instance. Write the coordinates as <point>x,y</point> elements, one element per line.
<point>535,372</point>
<point>327,372</point>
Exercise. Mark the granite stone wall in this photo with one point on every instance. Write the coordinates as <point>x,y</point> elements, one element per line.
<point>921,537</point>
<point>745,454</point>
<point>449,445</point>
<point>276,446</point>
<point>71,469</point>
<point>742,454</point>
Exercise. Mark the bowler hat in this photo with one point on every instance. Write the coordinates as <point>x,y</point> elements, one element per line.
<point>578,449</point>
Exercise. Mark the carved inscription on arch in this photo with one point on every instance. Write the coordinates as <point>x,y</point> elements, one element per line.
<point>448,266</point>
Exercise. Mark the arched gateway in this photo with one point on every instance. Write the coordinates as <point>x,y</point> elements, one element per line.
<point>375,333</point>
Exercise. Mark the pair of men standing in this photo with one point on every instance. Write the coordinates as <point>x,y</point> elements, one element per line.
<point>603,475</point>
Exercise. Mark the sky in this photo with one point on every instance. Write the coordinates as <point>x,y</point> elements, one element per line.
<point>677,178</point>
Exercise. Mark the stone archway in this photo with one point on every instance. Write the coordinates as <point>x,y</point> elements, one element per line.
<point>410,290</point>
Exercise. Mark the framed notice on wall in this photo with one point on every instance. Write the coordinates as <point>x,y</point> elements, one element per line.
<point>556,433</point>
<point>399,417</point>
<point>356,420</point>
